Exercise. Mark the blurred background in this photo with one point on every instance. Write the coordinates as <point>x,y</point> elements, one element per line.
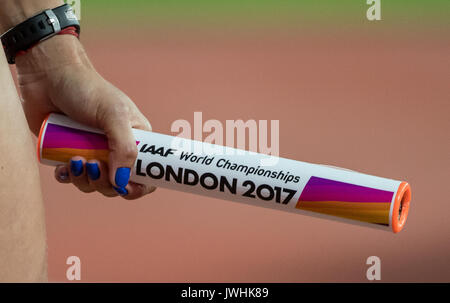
<point>371,96</point>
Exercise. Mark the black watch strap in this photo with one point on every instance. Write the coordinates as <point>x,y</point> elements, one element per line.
<point>38,28</point>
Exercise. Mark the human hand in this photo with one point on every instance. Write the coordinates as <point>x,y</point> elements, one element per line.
<point>57,76</point>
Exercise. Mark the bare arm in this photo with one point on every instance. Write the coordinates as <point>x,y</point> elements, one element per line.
<point>13,12</point>
<point>22,221</point>
<point>54,76</point>
<point>22,216</point>
<point>57,76</point>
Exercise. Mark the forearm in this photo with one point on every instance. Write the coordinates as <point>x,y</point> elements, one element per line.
<point>40,65</point>
<point>56,76</point>
<point>22,221</point>
<point>13,12</point>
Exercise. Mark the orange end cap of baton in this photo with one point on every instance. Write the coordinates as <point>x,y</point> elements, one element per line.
<point>41,133</point>
<point>401,207</point>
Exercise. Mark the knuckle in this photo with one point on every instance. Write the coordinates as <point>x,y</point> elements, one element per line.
<point>124,152</point>
<point>120,109</point>
<point>129,152</point>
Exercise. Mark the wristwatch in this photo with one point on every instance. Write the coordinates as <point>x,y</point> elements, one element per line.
<point>38,28</point>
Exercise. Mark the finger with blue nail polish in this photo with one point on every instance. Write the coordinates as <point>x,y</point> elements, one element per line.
<point>136,191</point>
<point>78,174</point>
<point>122,146</point>
<point>121,190</point>
<point>93,171</point>
<point>122,176</point>
<point>76,167</point>
<point>98,173</point>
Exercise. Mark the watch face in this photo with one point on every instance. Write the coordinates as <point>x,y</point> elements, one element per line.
<point>70,15</point>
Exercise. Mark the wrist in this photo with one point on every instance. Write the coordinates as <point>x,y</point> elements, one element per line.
<point>13,12</point>
<point>52,54</point>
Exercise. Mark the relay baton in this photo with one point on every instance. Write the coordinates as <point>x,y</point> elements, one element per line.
<point>237,175</point>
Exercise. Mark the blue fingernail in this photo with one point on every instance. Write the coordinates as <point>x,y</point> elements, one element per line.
<point>121,190</point>
<point>76,167</point>
<point>122,176</point>
<point>93,171</point>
